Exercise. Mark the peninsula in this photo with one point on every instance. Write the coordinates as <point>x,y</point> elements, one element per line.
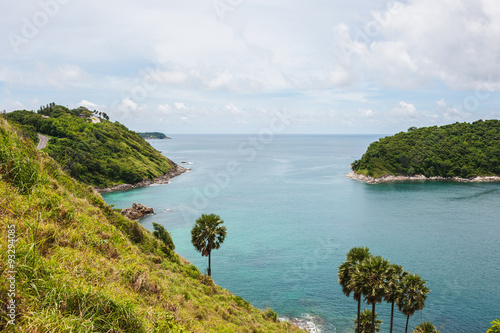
<point>93,150</point>
<point>457,152</point>
<point>153,135</point>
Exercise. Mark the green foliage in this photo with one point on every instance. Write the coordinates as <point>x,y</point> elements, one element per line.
<point>271,314</point>
<point>458,150</point>
<point>162,234</point>
<point>101,154</point>
<point>425,327</point>
<point>17,161</point>
<point>365,322</point>
<point>495,327</point>
<point>376,279</point>
<point>152,135</point>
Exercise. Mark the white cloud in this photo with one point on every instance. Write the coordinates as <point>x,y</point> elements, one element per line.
<point>180,106</point>
<point>231,107</point>
<point>449,113</point>
<point>341,77</point>
<point>91,106</point>
<point>367,113</point>
<point>404,110</point>
<point>128,105</point>
<point>165,108</point>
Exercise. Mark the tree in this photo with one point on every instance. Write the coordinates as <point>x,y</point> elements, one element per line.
<point>413,295</point>
<point>207,235</point>
<point>393,290</point>
<point>372,276</point>
<point>365,325</point>
<point>162,234</point>
<point>354,257</point>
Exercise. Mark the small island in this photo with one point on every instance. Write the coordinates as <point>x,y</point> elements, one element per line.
<point>458,152</point>
<point>153,135</point>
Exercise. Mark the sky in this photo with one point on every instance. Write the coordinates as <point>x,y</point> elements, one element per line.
<point>255,66</point>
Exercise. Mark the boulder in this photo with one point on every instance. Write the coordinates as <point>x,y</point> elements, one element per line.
<point>136,211</point>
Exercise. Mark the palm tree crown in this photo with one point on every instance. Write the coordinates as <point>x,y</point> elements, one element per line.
<point>207,235</point>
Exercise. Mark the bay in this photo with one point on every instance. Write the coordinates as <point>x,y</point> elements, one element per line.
<point>292,215</point>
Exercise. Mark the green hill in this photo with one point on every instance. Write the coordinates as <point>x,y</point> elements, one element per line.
<point>457,150</point>
<point>77,265</point>
<point>91,148</point>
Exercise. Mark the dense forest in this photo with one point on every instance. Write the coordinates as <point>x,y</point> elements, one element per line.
<point>463,150</point>
<point>90,147</point>
<point>153,135</point>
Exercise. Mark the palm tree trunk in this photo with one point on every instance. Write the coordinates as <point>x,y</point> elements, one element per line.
<point>209,268</point>
<point>407,319</point>
<point>373,317</point>
<point>392,315</point>
<point>359,314</point>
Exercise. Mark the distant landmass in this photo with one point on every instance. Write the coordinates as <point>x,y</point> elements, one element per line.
<point>153,135</point>
<point>460,150</point>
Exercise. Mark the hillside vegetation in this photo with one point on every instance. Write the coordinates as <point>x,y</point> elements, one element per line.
<point>101,153</point>
<point>458,150</point>
<point>82,267</point>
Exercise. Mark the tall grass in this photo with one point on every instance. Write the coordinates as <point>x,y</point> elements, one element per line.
<point>17,160</point>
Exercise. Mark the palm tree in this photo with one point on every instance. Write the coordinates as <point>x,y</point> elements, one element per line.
<point>393,290</point>
<point>207,235</point>
<point>413,295</point>
<point>372,276</point>
<point>366,322</point>
<point>354,257</point>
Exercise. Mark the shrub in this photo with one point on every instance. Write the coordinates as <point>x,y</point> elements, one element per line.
<point>270,314</point>
<point>162,234</point>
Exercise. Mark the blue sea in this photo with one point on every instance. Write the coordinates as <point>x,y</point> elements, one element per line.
<point>292,215</point>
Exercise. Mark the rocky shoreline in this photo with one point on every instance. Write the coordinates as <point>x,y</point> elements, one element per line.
<point>163,179</point>
<point>388,179</point>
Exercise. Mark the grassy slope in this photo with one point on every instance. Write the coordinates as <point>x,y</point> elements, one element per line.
<point>82,267</point>
<point>456,150</point>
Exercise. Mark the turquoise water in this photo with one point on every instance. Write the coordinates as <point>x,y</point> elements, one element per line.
<point>292,215</point>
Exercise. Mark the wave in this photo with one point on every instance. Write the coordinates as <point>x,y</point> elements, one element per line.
<point>157,184</point>
<point>308,322</point>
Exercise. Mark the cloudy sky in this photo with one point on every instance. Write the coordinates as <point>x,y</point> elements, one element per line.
<point>230,66</point>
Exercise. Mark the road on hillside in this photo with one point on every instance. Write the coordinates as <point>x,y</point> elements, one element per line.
<point>43,141</point>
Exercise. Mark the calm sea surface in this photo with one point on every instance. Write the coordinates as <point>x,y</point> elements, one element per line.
<point>292,215</point>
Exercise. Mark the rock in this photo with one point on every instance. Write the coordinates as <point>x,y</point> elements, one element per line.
<point>137,211</point>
